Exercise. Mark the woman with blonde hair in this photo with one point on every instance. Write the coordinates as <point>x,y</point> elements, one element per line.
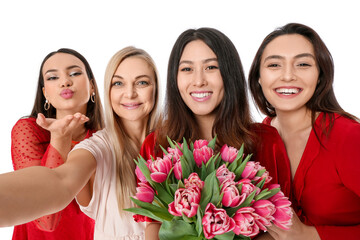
<point>131,100</point>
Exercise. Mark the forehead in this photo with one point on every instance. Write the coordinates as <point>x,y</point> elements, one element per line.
<point>197,49</point>
<point>60,61</point>
<point>134,66</point>
<point>288,45</point>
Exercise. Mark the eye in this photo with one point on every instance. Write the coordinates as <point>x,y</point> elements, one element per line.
<point>142,83</point>
<point>52,78</point>
<point>304,65</point>
<point>117,83</point>
<point>212,67</point>
<point>273,65</point>
<point>185,69</point>
<point>74,74</point>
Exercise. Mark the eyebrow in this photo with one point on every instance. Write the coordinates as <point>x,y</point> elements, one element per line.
<point>301,55</point>
<point>204,61</point>
<point>68,68</point>
<point>137,77</point>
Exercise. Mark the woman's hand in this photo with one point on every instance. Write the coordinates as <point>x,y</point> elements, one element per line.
<point>61,130</point>
<point>297,231</point>
<point>64,126</point>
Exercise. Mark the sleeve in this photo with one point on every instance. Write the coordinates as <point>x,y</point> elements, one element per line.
<point>30,147</point>
<point>271,153</point>
<point>348,167</point>
<point>147,149</point>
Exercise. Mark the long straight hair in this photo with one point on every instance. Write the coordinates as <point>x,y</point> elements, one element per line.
<point>125,149</point>
<point>233,120</point>
<point>93,109</point>
<point>323,99</point>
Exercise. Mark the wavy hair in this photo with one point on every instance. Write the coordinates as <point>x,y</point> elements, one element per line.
<point>124,147</point>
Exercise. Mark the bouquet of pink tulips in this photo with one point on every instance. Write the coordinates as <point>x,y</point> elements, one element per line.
<point>196,193</point>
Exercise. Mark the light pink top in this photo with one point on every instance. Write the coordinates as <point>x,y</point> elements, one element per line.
<point>103,206</point>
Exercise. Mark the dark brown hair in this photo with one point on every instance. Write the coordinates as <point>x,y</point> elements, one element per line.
<point>93,110</point>
<point>324,99</point>
<point>233,120</point>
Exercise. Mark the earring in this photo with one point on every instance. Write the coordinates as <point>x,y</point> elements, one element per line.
<point>92,97</point>
<point>47,105</point>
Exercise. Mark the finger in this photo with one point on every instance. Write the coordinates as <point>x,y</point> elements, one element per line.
<point>40,120</point>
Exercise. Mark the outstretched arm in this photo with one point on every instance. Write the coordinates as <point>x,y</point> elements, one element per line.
<point>36,191</point>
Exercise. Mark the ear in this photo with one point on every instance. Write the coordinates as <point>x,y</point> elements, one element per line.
<point>259,81</point>
<point>44,92</point>
<point>92,88</point>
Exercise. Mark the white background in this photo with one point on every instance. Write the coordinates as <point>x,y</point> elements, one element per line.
<point>29,30</point>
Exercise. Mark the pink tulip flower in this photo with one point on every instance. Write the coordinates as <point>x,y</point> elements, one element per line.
<point>186,202</point>
<point>160,169</point>
<point>231,197</point>
<point>216,221</point>
<point>265,209</point>
<point>246,222</point>
<point>145,193</point>
<point>228,154</point>
<point>178,170</point>
<point>140,175</point>
<point>194,181</point>
<point>251,170</point>
<point>200,143</point>
<point>247,187</point>
<point>202,155</point>
<point>223,174</point>
<point>283,213</point>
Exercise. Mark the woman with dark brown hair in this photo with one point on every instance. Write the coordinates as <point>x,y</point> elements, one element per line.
<point>66,89</point>
<point>206,95</point>
<point>291,80</point>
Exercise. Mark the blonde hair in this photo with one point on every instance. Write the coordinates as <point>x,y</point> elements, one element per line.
<point>125,149</point>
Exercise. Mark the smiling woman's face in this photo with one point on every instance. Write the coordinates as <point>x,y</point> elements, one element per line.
<point>199,79</point>
<point>288,72</point>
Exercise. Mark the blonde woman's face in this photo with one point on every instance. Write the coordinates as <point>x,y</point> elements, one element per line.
<point>66,84</point>
<point>132,92</point>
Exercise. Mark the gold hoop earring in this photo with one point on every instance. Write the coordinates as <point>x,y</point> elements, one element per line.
<point>92,97</point>
<point>47,105</point>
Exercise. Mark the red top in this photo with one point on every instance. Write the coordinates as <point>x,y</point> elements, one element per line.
<point>30,147</point>
<point>326,183</point>
<point>270,152</point>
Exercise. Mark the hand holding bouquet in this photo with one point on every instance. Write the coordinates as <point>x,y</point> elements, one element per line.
<point>197,193</point>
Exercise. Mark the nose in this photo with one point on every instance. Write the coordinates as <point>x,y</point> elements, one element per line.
<point>199,78</point>
<point>131,91</point>
<point>66,82</point>
<point>289,73</point>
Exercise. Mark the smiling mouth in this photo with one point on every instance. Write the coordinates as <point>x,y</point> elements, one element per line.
<point>201,95</point>
<point>288,91</point>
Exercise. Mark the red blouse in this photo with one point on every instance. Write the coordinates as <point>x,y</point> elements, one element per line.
<point>326,184</point>
<point>30,147</point>
<point>270,152</point>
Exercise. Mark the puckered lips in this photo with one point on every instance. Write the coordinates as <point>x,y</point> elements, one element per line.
<point>288,92</point>
<point>67,93</point>
<point>201,96</point>
<point>131,106</point>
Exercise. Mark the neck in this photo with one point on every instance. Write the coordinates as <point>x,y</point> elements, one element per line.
<point>205,124</point>
<point>136,130</point>
<point>292,122</point>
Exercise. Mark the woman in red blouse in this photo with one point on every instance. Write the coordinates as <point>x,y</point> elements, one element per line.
<point>66,87</point>
<point>291,81</point>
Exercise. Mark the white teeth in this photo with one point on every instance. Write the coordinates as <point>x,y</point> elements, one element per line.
<point>287,91</point>
<point>200,95</point>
